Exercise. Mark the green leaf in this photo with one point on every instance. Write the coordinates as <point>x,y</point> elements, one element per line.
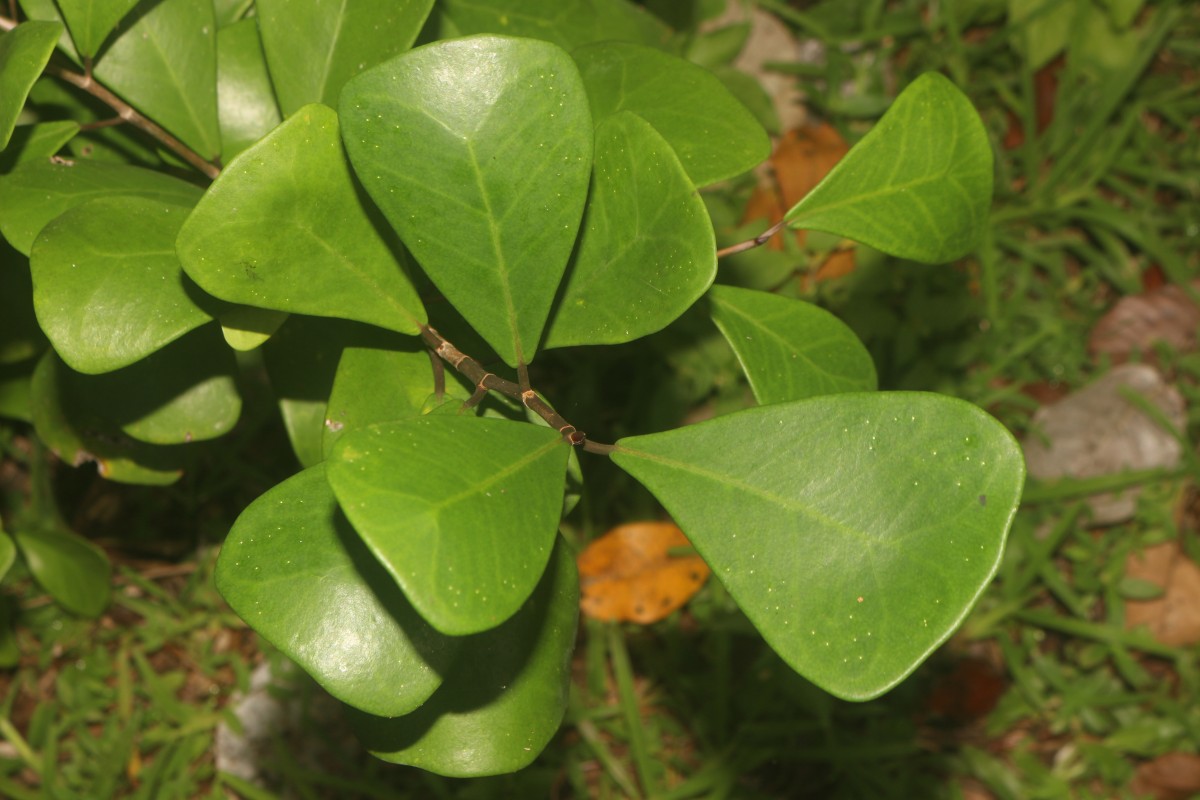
<point>91,21</point>
<point>647,251</point>
<point>314,48</point>
<point>714,135</point>
<point>75,572</point>
<point>34,194</point>
<point>8,553</point>
<point>20,337</point>
<point>10,653</point>
<point>284,227</point>
<point>67,423</point>
<point>855,531</point>
<point>15,380</point>
<point>566,23</point>
<point>505,696</point>
<point>36,143</point>
<point>463,511</point>
<point>484,172</point>
<point>164,64</point>
<point>107,286</point>
<point>24,52</point>
<point>790,349</point>
<point>247,327</point>
<point>294,569</point>
<point>246,104</point>
<point>918,186</point>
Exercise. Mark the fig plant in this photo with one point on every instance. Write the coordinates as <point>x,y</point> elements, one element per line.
<point>395,233</point>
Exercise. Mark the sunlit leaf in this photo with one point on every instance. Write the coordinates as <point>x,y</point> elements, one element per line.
<point>566,23</point>
<point>314,48</point>
<point>918,186</point>
<point>246,106</point>
<point>247,327</point>
<point>108,288</point>
<point>285,228</point>
<point>295,570</point>
<point>483,171</point>
<point>714,135</point>
<point>35,193</point>
<point>463,511</point>
<point>647,251</point>
<point>790,349</point>
<point>855,531</point>
<point>503,699</point>
<point>75,572</point>
<point>24,52</point>
<point>91,21</point>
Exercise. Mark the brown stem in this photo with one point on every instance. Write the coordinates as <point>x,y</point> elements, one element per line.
<point>486,381</point>
<point>750,244</point>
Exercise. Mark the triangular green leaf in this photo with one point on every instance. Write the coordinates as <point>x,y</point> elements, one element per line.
<point>75,572</point>
<point>647,251</point>
<point>164,64</point>
<point>294,569</point>
<point>484,172</point>
<point>108,288</point>
<point>463,511</point>
<point>790,349</point>
<point>505,696</point>
<point>284,227</point>
<point>245,98</point>
<point>91,21</point>
<point>714,135</point>
<point>24,52</point>
<point>918,186</point>
<point>314,48</point>
<point>855,531</point>
<point>35,193</point>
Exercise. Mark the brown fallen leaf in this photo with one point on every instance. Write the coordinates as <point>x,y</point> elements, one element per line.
<point>629,574</point>
<point>1173,776</point>
<point>1173,618</point>
<point>1136,322</point>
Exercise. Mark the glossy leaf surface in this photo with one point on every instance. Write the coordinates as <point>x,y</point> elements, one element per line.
<point>296,571</point>
<point>314,48</point>
<point>463,511</point>
<point>647,251</point>
<point>284,227</point>
<point>35,193</point>
<point>918,186</point>
<point>91,21</point>
<point>713,134</point>
<point>246,106</point>
<point>24,52</point>
<point>566,23</point>
<point>165,65</point>
<point>478,151</point>
<point>75,572</point>
<point>247,327</point>
<point>102,303</point>
<point>790,349</point>
<point>855,531</point>
<point>504,698</point>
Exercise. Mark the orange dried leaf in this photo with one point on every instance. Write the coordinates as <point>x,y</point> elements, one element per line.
<point>803,158</point>
<point>629,574</point>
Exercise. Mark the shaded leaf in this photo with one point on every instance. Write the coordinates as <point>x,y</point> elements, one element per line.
<point>463,511</point>
<point>108,288</point>
<point>163,62</point>
<point>566,23</point>
<point>790,349</point>
<point>629,573</point>
<point>713,134</point>
<point>918,186</point>
<point>294,569</point>
<point>285,228</point>
<point>91,21</point>
<point>24,52</point>
<point>36,142</point>
<point>314,48</point>
<point>246,106</point>
<point>75,572</point>
<point>484,173</point>
<point>20,337</point>
<point>15,381</point>
<point>503,699</point>
<point>8,553</point>
<point>647,251</point>
<point>35,193</point>
<point>855,531</point>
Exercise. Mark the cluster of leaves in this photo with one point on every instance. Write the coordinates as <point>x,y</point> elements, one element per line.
<point>527,180</point>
